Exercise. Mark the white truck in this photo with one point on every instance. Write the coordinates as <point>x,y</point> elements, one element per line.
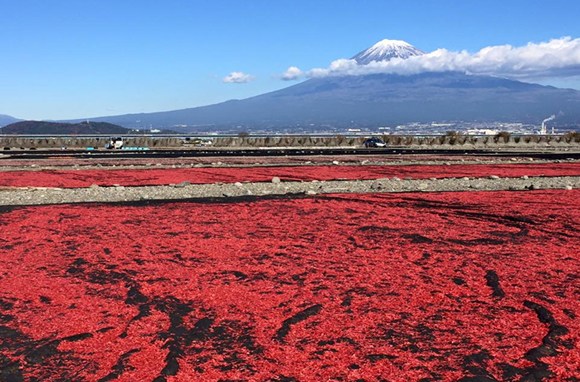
<point>115,143</point>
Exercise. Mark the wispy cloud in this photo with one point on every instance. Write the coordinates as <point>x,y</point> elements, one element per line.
<point>555,58</point>
<point>238,78</point>
<point>293,73</point>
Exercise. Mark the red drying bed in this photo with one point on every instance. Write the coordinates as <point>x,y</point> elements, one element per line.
<point>85,178</point>
<point>337,287</point>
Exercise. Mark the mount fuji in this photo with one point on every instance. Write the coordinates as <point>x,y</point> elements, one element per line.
<point>385,50</point>
<point>320,104</point>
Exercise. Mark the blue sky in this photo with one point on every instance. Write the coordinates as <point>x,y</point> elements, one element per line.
<point>83,58</point>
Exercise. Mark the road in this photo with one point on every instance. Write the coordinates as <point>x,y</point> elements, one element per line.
<point>273,152</point>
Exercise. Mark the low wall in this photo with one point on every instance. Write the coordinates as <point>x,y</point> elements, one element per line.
<point>8,142</point>
<point>446,141</point>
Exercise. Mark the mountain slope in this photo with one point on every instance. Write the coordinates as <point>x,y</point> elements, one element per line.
<point>371,100</point>
<point>6,120</point>
<point>54,128</point>
<point>375,100</point>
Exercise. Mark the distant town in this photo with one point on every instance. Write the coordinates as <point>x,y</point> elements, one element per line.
<point>413,128</point>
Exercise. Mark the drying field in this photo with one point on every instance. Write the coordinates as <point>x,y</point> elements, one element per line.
<point>471,286</point>
<point>152,177</point>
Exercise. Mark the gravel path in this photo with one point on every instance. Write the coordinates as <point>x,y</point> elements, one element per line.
<point>8,164</point>
<point>10,196</point>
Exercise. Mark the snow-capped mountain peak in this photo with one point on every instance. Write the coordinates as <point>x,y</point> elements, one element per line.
<point>385,50</point>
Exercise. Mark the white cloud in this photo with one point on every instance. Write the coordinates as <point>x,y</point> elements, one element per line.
<point>293,73</point>
<point>555,58</point>
<point>238,78</point>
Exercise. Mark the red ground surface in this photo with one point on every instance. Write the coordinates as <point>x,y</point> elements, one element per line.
<point>84,178</point>
<point>454,286</point>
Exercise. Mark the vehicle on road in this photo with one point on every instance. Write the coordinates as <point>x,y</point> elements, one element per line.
<point>374,142</point>
<point>203,142</point>
<point>115,143</point>
<point>198,142</point>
